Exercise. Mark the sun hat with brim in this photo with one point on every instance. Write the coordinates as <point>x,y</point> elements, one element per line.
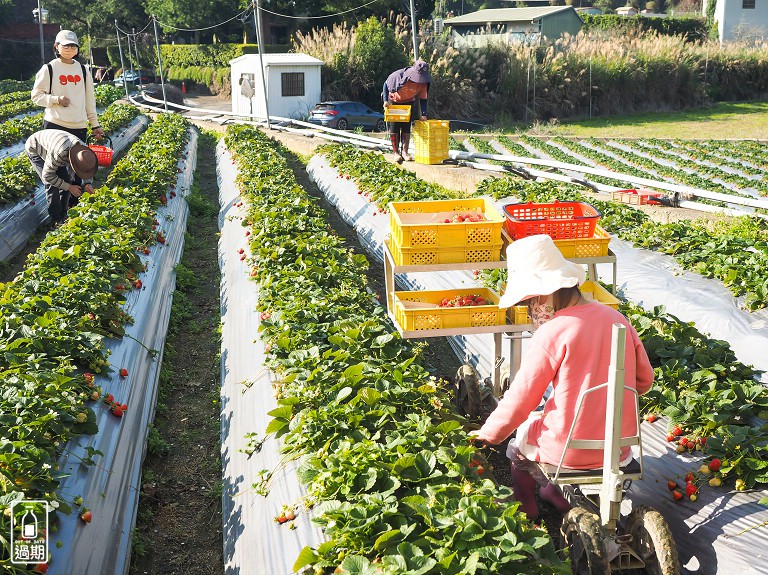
<point>419,72</point>
<point>84,161</point>
<point>67,38</point>
<point>536,267</point>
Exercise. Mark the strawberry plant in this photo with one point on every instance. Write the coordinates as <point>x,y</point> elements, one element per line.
<point>54,317</point>
<point>384,459</point>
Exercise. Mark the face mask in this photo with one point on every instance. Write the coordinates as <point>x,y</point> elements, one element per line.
<point>541,312</point>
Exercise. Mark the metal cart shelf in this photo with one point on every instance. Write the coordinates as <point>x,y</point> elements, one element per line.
<point>513,332</point>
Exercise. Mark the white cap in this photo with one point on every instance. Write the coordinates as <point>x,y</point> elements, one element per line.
<point>67,38</point>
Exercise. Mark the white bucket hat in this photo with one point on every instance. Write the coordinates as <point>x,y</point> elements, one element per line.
<point>536,267</point>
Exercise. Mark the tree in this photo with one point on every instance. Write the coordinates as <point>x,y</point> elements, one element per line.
<point>191,14</point>
<point>89,18</point>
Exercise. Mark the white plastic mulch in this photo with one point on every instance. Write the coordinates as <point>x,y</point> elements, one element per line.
<point>722,532</point>
<point>110,489</point>
<point>254,544</point>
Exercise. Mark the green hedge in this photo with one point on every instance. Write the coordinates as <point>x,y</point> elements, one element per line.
<point>189,55</point>
<point>216,79</point>
<point>690,28</point>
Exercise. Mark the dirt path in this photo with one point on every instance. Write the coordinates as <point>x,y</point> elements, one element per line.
<point>179,527</point>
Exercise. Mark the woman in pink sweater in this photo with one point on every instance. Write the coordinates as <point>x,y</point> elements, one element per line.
<point>571,350</point>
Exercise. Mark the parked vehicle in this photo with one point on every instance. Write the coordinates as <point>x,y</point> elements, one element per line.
<point>344,115</point>
<point>132,77</point>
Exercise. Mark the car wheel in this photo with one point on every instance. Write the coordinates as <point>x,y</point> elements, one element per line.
<point>343,124</point>
<point>381,125</point>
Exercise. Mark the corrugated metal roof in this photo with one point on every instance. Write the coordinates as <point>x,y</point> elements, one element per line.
<point>506,15</point>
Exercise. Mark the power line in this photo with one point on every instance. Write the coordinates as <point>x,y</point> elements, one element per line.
<point>318,17</point>
<point>246,11</point>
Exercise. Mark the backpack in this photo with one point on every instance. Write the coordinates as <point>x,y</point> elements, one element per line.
<point>50,76</point>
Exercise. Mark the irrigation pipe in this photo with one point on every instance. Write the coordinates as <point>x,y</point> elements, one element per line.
<point>377,143</point>
<point>603,188</point>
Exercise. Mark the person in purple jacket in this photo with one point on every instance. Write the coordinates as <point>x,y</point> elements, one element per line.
<point>406,86</point>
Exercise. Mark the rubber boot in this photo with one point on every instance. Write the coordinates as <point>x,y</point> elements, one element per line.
<point>525,491</point>
<point>551,494</point>
<point>395,140</point>
<point>406,140</point>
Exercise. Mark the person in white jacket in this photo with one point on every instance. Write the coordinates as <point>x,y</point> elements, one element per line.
<point>64,87</point>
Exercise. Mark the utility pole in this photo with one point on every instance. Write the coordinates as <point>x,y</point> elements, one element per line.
<point>414,32</point>
<point>160,63</point>
<point>257,22</point>
<point>42,40</point>
<point>122,62</point>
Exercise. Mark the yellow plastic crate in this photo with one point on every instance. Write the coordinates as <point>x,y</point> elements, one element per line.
<point>431,141</point>
<point>397,113</point>
<point>593,290</point>
<point>434,256</point>
<point>518,314</point>
<point>419,311</point>
<point>595,246</point>
<point>421,224</point>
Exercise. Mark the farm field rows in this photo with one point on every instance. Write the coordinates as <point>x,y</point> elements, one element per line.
<point>377,456</point>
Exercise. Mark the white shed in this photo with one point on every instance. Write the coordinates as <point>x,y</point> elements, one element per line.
<point>293,84</point>
<point>740,20</point>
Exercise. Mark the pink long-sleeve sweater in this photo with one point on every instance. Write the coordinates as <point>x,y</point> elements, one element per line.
<point>573,352</point>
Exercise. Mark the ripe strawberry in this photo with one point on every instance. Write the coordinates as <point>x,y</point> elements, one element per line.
<point>240,251</point>
<point>86,516</point>
<point>88,377</point>
<point>137,284</point>
<point>41,567</point>
<point>672,485</point>
<point>651,418</point>
<point>670,437</point>
<point>689,477</point>
<point>109,398</point>
<point>123,372</point>
<point>480,469</point>
<point>676,495</point>
<point>146,251</point>
<point>691,489</point>
<point>714,465</point>
<point>117,411</point>
<point>264,315</point>
<point>124,407</point>
<point>677,430</point>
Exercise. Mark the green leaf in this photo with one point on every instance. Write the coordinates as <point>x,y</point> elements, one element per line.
<point>306,557</point>
<point>276,425</point>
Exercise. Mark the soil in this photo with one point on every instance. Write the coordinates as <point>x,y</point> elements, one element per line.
<point>179,526</point>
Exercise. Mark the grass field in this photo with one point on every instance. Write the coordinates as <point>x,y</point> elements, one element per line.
<point>725,120</point>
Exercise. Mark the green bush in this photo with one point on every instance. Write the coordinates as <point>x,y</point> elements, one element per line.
<point>691,29</point>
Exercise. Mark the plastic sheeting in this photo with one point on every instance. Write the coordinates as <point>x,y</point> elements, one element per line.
<point>110,488</point>
<point>253,542</point>
<point>19,221</point>
<point>713,534</point>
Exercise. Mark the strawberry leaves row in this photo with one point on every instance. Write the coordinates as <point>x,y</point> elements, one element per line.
<point>55,316</point>
<point>386,461</point>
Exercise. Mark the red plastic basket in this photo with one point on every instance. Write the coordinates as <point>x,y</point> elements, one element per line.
<point>559,220</point>
<point>103,153</point>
